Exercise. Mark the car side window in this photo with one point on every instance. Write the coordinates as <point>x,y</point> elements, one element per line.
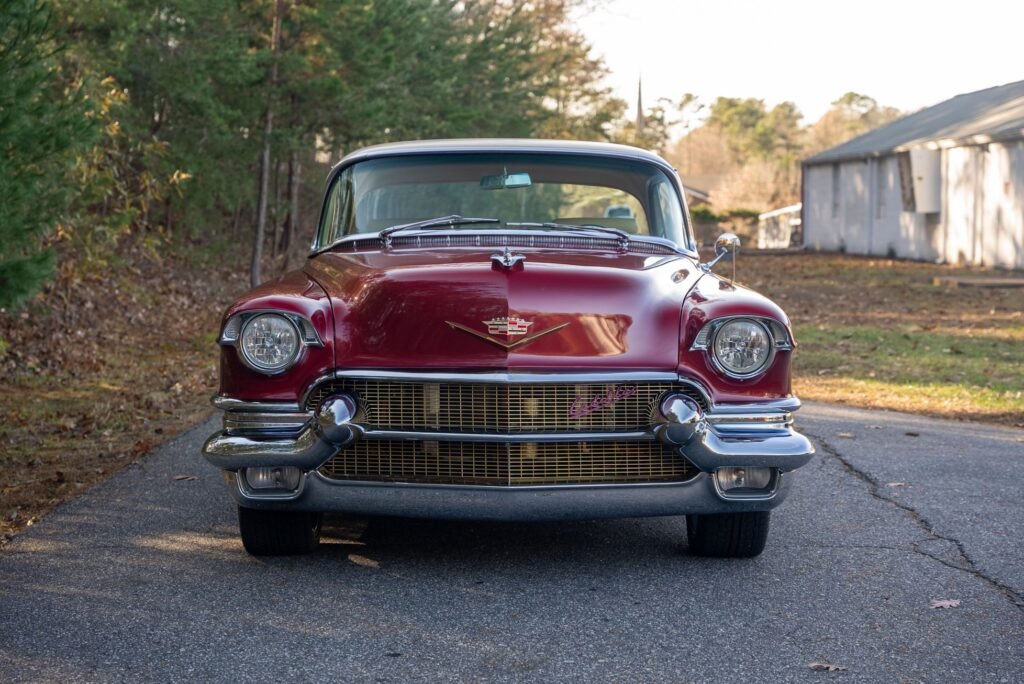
<point>329,219</point>
<point>671,212</point>
<point>337,215</point>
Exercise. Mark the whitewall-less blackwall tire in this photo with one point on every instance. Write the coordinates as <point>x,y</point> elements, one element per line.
<point>278,533</point>
<point>728,535</point>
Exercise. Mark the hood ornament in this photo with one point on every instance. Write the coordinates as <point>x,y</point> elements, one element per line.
<point>511,327</point>
<point>507,259</point>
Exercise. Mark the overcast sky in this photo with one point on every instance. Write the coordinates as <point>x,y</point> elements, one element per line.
<point>904,53</point>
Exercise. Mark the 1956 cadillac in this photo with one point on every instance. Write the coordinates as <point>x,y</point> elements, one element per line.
<point>506,330</point>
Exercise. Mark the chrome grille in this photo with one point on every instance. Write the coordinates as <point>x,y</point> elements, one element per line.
<point>518,464</point>
<point>500,408</point>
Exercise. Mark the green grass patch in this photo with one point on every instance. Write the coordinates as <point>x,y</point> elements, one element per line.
<point>923,367</point>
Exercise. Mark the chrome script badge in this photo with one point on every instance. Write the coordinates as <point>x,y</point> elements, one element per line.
<point>584,406</point>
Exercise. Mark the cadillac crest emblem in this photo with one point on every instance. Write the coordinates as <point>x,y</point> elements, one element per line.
<point>510,327</point>
<point>514,329</point>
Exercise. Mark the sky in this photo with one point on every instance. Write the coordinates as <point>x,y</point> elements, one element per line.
<point>907,54</point>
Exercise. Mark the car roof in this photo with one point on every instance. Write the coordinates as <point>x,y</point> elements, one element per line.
<point>503,145</point>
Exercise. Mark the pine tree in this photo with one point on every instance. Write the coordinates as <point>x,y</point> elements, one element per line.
<point>41,127</point>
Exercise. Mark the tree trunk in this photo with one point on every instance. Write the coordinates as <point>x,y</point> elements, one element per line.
<point>275,235</point>
<point>255,274</point>
<point>235,218</point>
<point>294,171</point>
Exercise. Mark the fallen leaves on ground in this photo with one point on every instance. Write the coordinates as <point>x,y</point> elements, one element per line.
<point>944,603</point>
<point>83,360</point>
<point>895,484</point>
<point>363,561</point>
<point>822,666</point>
<point>185,477</point>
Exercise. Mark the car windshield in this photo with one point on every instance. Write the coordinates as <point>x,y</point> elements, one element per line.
<point>530,190</point>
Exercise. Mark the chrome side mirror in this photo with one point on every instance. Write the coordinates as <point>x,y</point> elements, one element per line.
<point>727,245</point>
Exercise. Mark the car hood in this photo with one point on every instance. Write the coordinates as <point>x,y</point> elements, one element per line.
<point>455,309</point>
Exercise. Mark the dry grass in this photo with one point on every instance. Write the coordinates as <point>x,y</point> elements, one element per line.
<point>878,333</point>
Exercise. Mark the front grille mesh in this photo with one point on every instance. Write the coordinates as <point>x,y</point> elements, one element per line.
<point>518,464</point>
<point>501,408</point>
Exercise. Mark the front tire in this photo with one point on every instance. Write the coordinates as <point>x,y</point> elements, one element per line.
<point>278,533</point>
<point>728,535</point>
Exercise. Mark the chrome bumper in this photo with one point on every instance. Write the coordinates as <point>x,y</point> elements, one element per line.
<point>320,438</point>
<point>783,448</point>
<point>753,435</point>
<point>514,504</point>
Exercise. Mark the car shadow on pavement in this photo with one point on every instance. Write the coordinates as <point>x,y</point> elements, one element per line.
<point>558,540</point>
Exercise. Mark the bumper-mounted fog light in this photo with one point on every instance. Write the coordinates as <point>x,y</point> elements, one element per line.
<point>282,478</point>
<point>743,478</point>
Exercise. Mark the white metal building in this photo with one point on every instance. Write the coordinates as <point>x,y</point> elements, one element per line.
<point>943,184</point>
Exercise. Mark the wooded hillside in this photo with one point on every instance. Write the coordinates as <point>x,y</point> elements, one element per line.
<point>205,125</point>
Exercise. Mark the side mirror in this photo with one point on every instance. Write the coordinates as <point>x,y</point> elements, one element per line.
<point>727,245</point>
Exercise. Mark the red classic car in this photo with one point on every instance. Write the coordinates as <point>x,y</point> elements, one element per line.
<point>506,330</point>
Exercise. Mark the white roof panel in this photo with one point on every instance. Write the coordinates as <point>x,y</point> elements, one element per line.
<point>973,118</point>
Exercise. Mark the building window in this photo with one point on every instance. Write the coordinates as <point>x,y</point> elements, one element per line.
<point>835,191</point>
<point>881,187</point>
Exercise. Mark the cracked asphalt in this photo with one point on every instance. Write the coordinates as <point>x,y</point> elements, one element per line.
<point>144,579</point>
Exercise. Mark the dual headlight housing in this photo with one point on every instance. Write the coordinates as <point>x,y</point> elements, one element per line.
<point>742,347</point>
<point>269,342</point>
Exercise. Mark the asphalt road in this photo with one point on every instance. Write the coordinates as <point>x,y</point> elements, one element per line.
<point>144,578</point>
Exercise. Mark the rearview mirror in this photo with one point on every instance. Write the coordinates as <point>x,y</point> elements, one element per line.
<point>506,181</point>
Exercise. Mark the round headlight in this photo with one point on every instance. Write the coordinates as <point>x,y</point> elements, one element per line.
<point>742,347</point>
<point>269,343</point>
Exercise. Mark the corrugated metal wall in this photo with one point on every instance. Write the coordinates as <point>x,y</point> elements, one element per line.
<point>857,206</point>
<point>983,205</point>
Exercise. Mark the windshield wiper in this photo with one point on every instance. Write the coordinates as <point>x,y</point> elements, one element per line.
<point>621,234</point>
<point>453,220</point>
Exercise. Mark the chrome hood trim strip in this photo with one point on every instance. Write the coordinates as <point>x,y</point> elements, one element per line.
<point>603,377</point>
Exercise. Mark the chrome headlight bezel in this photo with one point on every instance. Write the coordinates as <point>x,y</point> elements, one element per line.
<point>776,333</point>
<point>235,327</point>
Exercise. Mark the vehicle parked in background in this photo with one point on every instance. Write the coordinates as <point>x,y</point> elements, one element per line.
<point>483,331</point>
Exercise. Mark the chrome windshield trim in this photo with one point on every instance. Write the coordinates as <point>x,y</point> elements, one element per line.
<point>436,232</point>
<point>604,377</point>
<point>230,404</point>
<point>508,438</point>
